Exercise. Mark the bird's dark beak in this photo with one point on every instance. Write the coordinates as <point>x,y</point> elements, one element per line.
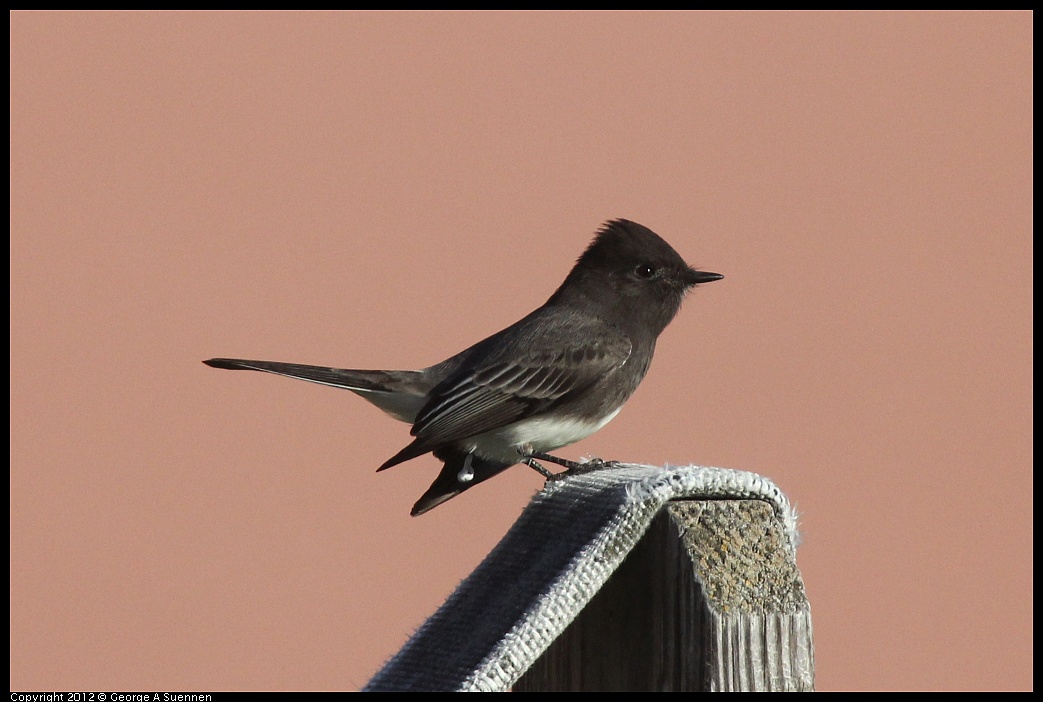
<point>695,277</point>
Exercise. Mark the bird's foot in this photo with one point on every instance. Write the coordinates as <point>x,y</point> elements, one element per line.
<point>571,467</point>
<point>595,463</point>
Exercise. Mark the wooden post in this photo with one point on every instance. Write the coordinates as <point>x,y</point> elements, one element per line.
<point>709,600</point>
<point>629,577</point>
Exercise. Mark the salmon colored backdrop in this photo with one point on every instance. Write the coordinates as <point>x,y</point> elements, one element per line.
<point>380,190</point>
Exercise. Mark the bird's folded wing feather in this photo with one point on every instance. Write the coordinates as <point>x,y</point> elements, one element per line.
<point>509,387</point>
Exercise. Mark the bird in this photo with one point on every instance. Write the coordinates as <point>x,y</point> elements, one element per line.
<point>552,378</point>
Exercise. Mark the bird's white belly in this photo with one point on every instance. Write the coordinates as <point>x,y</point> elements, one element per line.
<point>535,434</point>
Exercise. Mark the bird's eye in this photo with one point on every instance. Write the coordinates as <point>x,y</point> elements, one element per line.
<point>645,270</point>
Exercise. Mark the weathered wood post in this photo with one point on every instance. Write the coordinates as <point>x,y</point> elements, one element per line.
<point>708,600</point>
<point>629,578</point>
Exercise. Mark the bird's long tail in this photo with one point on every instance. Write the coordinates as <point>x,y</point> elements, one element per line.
<point>399,393</point>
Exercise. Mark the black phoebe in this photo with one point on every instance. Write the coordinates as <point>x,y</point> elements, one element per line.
<point>549,380</point>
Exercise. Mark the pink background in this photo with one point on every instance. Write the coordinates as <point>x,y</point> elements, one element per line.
<point>381,190</point>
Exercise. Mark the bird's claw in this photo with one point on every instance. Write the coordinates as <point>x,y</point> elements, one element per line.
<point>592,465</point>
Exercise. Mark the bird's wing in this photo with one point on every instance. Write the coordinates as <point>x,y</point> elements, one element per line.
<point>510,385</point>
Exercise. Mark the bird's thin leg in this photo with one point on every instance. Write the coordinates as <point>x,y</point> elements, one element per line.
<point>563,462</point>
<point>534,464</point>
<point>572,467</point>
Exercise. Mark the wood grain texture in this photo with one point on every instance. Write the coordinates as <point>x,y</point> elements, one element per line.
<point>710,599</point>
